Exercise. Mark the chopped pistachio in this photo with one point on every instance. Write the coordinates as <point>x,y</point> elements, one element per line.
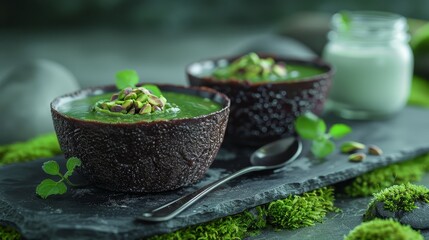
<point>138,105</point>
<point>163,100</point>
<point>374,150</point>
<point>350,147</point>
<point>127,104</point>
<point>132,111</point>
<point>155,101</point>
<point>134,101</point>
<point>131,96</point>
<point>116,108</point>
<point>147,108</point>
<point>114,97</point>
<point>357,157</point>
<point>142,98</point>
<point>252,68</point>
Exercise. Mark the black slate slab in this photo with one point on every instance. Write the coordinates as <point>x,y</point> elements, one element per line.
<point>93,213</point>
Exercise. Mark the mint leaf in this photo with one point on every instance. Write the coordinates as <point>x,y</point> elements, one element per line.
<point>322,147</point>
<point>126,78</point>
<point>51,168</point>
<point>49,187</point>
<point>309,126</point>
<point>153,89</point>
<point>339,130</point>
<point>72,163</point>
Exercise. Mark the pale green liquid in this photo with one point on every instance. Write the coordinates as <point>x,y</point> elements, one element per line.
<point>190,106</point>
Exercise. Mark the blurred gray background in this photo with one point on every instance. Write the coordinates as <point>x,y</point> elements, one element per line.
<point>158,38</point>
<point>92,39</point>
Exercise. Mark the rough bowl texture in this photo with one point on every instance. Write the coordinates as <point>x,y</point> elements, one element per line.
<point>144,156</point>
<point>263,112</point>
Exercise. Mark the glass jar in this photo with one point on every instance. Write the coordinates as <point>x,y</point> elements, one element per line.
<point>373,64</point>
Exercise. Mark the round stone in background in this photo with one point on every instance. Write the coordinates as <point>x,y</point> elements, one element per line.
<point>25,96</point>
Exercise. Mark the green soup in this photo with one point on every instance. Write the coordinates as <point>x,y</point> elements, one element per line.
<point>186,106</point>
<point>294,72</point>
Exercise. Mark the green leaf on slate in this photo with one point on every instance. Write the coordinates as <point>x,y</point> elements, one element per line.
<point>322,147</point>
<point>49,187</point>
<point>339,130</point>
<point>309,126</point>
<point>126,78</point>
<point>51,167</point>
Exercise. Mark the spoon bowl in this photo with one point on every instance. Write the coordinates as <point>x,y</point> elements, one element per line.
<point>269,157</point>
<point>276,154</point>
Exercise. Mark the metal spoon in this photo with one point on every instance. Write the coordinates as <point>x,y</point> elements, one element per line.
<point>269,157</point>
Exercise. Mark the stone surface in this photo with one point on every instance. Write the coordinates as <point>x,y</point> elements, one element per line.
<point>418,218</point>
<point>32,86</point>
<point>93,213</point>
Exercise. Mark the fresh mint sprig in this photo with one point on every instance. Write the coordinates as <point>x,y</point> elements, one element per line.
<point>126,78</point>
<point>311,127</point>
<point>50,187</point>
<point>129,78</point>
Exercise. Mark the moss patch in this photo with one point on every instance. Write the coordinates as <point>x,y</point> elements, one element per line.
<point>375,181</point>
<point>290,213</point>
<point>300,211</point>
<point>9,233</point>
<point>398,198</point>
<point>383,229</point>
<point>231,227</point>
<point>39,147</point>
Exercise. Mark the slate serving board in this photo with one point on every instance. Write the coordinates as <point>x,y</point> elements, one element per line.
<point>94,213</point>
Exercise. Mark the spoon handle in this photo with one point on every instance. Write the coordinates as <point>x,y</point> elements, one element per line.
<point>173,208</point>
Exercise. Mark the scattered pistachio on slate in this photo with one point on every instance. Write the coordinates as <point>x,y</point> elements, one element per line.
<point>137,100</point>
<point>357,157</point>
<point>351,147</point>
<point>374,150</point>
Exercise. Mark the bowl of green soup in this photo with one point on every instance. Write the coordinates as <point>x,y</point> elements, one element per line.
<point>267,92</point>
<point>144,138</point>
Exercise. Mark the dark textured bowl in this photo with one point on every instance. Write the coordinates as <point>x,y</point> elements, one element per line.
<point>143,156</point>
<point>264,112</point>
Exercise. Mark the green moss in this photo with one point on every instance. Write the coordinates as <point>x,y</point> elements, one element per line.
<point>375,181</point>
<point>9,233</point>
<point>398,198</point>
<point>290,213</point>
<point>231,227</point>
<point>383,229</point>
<point>39,147</point>
<point>300,211</point>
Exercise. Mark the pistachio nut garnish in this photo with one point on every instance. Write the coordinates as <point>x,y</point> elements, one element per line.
<point>137,100</point>
<point>374,150</point>
<point>357,157</point>
<point>251,67</point>
<point>350,147</point>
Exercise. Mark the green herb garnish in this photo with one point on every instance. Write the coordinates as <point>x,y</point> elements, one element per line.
<point>126,78</point>
<point>50,187</point>
<point>252,68</point>
<point>311,127</point>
